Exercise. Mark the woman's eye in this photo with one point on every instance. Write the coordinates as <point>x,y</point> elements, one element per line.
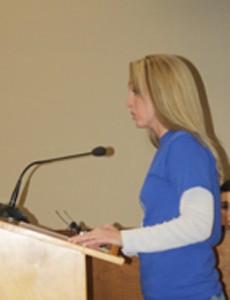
<point>134,90</point>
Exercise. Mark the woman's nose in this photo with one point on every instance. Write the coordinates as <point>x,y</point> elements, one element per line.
<point>129,102</point>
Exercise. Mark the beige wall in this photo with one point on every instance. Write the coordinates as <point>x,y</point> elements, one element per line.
<point>63,77</point>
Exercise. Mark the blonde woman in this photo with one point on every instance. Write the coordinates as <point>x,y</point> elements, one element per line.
<point>180,195</point>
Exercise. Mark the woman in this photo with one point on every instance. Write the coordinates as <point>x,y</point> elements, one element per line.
<point>180,195</point>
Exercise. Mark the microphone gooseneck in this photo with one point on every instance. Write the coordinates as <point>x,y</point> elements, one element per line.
<point>98,151</point>
<point>13,212</point>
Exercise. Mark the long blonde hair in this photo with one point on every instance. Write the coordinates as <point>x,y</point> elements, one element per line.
<point>170,84</point>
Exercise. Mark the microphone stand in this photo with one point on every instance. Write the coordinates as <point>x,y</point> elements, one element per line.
<point>13,213</point>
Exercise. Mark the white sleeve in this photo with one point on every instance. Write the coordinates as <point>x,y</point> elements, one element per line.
<point>193,225</point>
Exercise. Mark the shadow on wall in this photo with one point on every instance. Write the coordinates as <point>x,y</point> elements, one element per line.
<point>32,219</point>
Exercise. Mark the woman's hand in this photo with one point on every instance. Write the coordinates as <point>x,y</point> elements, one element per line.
<point>106,235</point>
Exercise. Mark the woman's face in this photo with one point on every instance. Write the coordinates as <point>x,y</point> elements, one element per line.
<point>143,112</point>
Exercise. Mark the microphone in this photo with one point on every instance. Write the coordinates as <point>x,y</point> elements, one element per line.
<point>10,211</point>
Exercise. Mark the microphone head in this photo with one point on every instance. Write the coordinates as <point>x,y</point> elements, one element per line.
<point>99,151</point>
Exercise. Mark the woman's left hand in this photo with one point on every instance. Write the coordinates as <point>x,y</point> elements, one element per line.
<point>106,235</point>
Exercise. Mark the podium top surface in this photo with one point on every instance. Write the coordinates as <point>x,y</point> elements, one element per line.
<point>49,236</point>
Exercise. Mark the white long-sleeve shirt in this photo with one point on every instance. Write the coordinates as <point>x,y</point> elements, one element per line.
<point>193,225</point>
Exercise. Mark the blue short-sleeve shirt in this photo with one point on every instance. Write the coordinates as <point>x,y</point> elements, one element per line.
<point>181,163</point>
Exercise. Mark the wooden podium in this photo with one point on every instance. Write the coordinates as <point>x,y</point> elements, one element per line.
<point>42,265</point>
